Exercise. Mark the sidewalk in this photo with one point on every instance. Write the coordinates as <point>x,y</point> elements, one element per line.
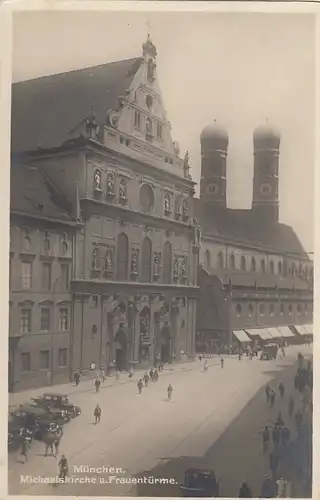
<point>87,385</point>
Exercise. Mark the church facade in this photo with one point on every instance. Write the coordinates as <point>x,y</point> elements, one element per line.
<point>108,152</point>
<point>255,275</point>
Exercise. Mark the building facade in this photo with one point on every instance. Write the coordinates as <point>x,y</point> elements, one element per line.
<point>254,270</point>
<point>136,254</point>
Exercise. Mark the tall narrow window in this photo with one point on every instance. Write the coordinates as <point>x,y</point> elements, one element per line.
<point>271,267</point>
<point>253,265</point>
<point>62,357</point>
<point>26,275</point>
<point>46,276</point>
<point>159,130</point>
<point>25,362</point>
<point>232,261</point>
<point>44,360</point>
<point>243,263</point>
<point>263,266</point>
<point>25,321</point>
<point>280,268</point>
<point>137,119</point>
<point>64,277</point>
<point>220,260</point>
<point>167,263</point>
<point>64,320</point>
<point>146,260</point>
<point>45,319</point>
<point>122,257</point>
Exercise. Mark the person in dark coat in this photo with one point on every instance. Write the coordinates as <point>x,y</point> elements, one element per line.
<point>97,384</point>
<point>267,391</point>
<point>272,398</point>
<point>281,389</point>
<point>77,378</point>
<point>291,406</point>
<point>97,414</point>
<point>276,436</point>
<point>268,489</point>
<point>140,386</point>
<point>265,438</point>
<point>146,379</point>
<point>244,491</point>
<point>273,464</point>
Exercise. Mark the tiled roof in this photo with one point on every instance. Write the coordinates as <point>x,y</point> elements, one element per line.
<point>240,226</point>
<point>48,111</point>
<point>31,193</point>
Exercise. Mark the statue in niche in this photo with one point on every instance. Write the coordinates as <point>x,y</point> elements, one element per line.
<point>97,180</point>
<point>134,263</point>
<point>156,265</point>
<point>167,203</point>
<point>94,260</point>
<point>186,165</point>
<point>109,261</point>
<point>183,268</point>
<point>148,126</point>
<point>185,208</point>
<point>122,190</point>
<point>176,268</point>
<point>110,184</point>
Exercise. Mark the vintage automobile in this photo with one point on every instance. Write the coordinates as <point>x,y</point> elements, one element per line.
<point>37,420</point>
<point>269,351</point>
<point>62,415</point>
<point>200,483</point>
<point>59,401</point>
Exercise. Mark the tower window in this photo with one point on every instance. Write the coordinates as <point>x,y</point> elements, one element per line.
<point>137,119</point>
<point>271,267</point>
<point>243,263</point>
<point>159,130</point>
<point>232,261</point>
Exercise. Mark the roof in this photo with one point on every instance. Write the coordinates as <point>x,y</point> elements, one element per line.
<point>47,111</point>
<point>242,226</point>
<point>32,194</point>
<point>249,279</point>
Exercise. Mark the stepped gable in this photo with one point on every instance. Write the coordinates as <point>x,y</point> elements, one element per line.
<point>243,226</point>
<point>32,194</point>
<point>50,110</point>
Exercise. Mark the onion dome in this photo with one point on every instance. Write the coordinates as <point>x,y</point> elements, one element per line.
<point>266,136</point>
<point>148,48</point>
<point>214,136</point>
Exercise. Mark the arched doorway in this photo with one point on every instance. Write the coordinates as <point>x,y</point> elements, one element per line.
<point>165,342</point>
<point>121,348</point>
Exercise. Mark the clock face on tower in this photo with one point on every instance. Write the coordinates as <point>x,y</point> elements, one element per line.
<point>212,188</point>
<point>265,188</point>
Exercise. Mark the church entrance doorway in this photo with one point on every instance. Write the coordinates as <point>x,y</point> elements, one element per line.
<point>121,349</point>
<point>165,339</point>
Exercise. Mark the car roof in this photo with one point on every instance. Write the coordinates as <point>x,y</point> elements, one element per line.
<point>55,394</point>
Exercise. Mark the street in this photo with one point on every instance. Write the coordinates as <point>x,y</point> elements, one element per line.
<point>214,420</point>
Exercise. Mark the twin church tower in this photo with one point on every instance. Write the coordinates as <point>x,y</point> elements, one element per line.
<point>213,183</point>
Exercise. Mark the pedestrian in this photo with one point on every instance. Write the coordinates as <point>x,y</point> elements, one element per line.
<point>103,375</point>
<point>285,436</point>
<point>268,392</point>
<point>151,374</point>
<point>281,488</point>
<point>24,449</point>
<point>169,391</point>
<point>48,443</point>
<point>244,491</point>
<point>140,386</point>
<point>205,366</point>
<point>291,406</point>
<point>276,436</point>
<point>97,414</point>
<point>97,384</point>
<point>265,438</point>
<point>56,446</point>
<point>272,398</point>
<point>222,362</point>
<point>281,389</point>
<point>155,376</point>
<point>296,381</point>
<point>200,358</point>
<point>146,379</point>
<point>267,488</point>
<point>63,468</point>
<point>240,356</point>
<point>77,378</point>
<point>273,464</point>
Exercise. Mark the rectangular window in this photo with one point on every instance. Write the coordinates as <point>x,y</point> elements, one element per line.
<point>159,130</point>
<point>64,277</point>
<point>44,360</point>
<point>25,321</point>
<point>46,276</point>
<point>25,361</point>
<point>95,301</point>
<point>62,359</point>
<point>45,319</point>
<point>26,275</point>
<point>137,119</point>
<point>64,320</point>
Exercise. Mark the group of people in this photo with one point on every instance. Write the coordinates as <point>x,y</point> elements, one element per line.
<point>153,376</point>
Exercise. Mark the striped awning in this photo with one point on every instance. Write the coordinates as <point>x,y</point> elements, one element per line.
<point>274,332</point>
<point>285,331</point>
<point>261,332</point>
<point>301,330</point>
<point>308,329</point>
<point>241,336</point>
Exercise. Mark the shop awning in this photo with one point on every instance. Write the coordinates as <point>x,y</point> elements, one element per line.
<point>241,336</point>
<point>308,329</point>
<point>261,332</point>
<point>274,332</point>
<point>301,330</point>
<point>285,331</point>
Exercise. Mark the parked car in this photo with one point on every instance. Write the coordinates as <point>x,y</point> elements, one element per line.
<point>200,483</point>
<point>62,415</point>
<point>269,351</point>
<point>34,418</point>
<point>60,401</point>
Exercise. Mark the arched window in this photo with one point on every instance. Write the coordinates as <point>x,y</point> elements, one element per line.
<point>293,269</point>
<point>207,262</point>
<point>290,309</point>
<point>271,309</point>
<point>285,269</point>
<point>281,309</point>
<point>299,309</point>
<point>253,265</point>
<point>279,268</point>
<point>238,310</point>
<point>261,309</point>
<point>146,197</point>
<point>122,257</point>
<point>146,260</point>
<point>263,266</point>
<point>250,309</point>
<point>271,267</point>
<point>220,260</point>
<point>232,261</point>
<point>243,263</point>
<point>167,263</point>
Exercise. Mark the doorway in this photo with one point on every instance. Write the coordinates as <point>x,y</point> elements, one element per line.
<point>165,352</point>
<point>121,343</point>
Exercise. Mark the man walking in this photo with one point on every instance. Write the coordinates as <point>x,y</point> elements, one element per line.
<point>97,414</point>
<point>222,362</point>
<point>140,386</point>
<point>169,390</point>
<point>97,384</point>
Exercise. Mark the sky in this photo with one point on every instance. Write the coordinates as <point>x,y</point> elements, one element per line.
<point>238,68</point>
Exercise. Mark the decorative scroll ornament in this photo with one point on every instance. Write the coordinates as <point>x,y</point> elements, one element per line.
<point>113,118</point>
